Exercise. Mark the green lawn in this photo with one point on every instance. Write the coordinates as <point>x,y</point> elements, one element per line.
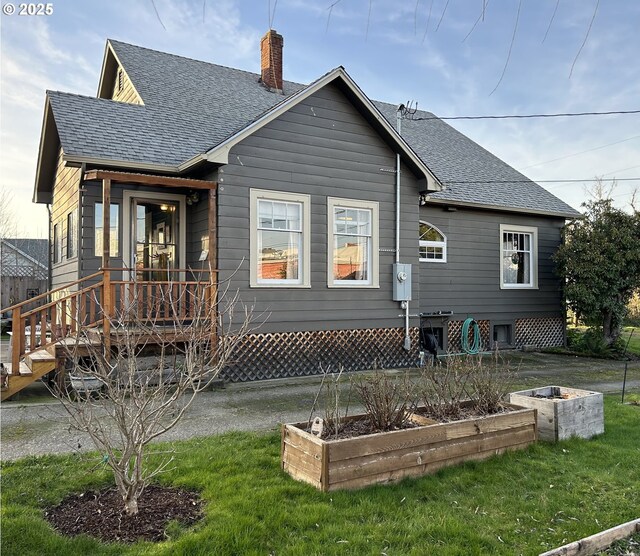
<point>634,344</point>
<point>520,503</point>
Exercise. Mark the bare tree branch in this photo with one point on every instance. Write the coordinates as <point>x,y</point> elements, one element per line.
<point>442,16</point>
<point>157,14</point>
<point>553,15</point>
<point>595,11</point>
<point>513,40</point>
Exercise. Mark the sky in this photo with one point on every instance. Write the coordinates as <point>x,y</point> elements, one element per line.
<point>451,57</point>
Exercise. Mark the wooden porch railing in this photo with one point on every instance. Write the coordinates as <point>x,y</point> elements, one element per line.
<point>157,302</point>
<point>57,318</point>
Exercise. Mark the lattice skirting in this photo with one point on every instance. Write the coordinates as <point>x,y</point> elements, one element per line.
<point>290,354</point>
<point>454,335</point>
<point>542,332</point>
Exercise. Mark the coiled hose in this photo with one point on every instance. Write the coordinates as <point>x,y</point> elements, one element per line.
<point>475,345</point>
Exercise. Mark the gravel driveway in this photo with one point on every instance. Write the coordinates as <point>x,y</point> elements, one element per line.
<point>37,424</point>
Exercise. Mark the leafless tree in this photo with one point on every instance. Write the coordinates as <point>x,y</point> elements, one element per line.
<point>8,220</point>
<point>601,189</point>
<point>165,349</point>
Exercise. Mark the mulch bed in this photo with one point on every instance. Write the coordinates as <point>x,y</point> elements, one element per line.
<point>101,514</point>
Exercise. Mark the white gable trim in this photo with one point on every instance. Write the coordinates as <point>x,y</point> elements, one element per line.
<point>220,153</point>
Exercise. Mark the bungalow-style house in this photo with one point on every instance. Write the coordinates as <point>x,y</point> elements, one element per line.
<point>339,218</point>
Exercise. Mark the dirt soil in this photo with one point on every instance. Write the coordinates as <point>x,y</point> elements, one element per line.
<point>101,514</point>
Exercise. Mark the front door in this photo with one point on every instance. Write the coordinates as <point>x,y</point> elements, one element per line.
<point>156,240</point>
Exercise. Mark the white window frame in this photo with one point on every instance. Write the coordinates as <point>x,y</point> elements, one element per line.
<point>97,223</point>
<point>426,243</point>
<point>374,277</point>
<point>533,271</point>
<point>304,265</point>
<point>72,234</point>
<point>57,243</point>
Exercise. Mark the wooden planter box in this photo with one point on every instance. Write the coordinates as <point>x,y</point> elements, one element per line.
<point>580,414</point>
<point>357,462</point>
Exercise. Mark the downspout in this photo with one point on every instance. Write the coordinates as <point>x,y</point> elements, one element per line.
<point>404,304</point>
<point>50,258</point>
<point>399,129</point>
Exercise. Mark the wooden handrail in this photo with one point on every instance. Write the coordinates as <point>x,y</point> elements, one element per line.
<point>162,270</point>
<point>57,301</point>
<point>48,293</point>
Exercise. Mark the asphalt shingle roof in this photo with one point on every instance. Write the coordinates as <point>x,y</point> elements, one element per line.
<point>191,106</point>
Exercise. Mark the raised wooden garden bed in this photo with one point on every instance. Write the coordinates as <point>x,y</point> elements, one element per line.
<point>360,461</point>
<point>564,412</point>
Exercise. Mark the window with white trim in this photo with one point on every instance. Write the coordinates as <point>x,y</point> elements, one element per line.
<point>280,242</point>
<point>518,256</point>
<point>114,240</point>
<point>57,243</point>
<point>353,243</point>
<point>72,234</point>
<point>432,244</point>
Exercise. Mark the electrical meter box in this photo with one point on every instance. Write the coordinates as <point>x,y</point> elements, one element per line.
<point>401,282</point>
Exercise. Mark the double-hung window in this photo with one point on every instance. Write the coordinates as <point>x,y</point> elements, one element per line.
<point>353,243</point>
<point>279,239</point>
<point>518,257</point>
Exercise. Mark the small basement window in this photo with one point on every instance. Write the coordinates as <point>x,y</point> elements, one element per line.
<point>502,334</point>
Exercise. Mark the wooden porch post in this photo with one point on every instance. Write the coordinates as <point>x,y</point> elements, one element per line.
<point>107,302</point>
<point>213,262</point>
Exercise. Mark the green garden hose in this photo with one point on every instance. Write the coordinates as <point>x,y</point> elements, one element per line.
<point>474,348</point>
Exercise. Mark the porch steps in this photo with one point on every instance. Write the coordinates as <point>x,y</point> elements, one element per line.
<point>40,361</point>
<point>35,365</point>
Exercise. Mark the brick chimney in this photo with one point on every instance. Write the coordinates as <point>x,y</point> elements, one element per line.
<point>271,60</point>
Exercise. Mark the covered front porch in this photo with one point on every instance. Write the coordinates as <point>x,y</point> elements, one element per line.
<point>140,280</point>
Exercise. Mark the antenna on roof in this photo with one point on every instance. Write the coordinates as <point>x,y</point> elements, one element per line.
<point>408,110</point>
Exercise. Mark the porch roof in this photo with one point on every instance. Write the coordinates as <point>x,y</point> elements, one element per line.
<point>148,179</point>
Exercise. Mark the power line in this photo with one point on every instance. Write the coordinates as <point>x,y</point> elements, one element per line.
<point>526,116</point>
<point>580,152</point>
<point>446,182</point>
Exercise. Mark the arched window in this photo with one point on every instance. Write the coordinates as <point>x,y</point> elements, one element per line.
<point>433,244</point>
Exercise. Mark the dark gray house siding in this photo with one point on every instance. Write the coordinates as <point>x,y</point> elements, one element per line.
<point>196,225</point>
<point>325,148</point>
<point>469,282</point>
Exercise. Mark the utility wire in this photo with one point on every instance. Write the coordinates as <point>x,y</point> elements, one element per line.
<point>446,182</point>
<point>579,153</point>
<point>526,116</point>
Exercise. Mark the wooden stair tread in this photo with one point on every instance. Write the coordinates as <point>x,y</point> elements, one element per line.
<point>24,370</point>
<point>40,355</point>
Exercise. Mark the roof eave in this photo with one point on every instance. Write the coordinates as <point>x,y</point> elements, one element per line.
<point>39,194</point>
<point>79,159</point>
<point>220,153</point>
<point>503,208</point>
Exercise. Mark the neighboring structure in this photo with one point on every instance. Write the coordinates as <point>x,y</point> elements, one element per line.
<point>24,269</point>
<point>337,227</point>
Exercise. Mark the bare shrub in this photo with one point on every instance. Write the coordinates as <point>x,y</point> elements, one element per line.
<point>466,383</point>
<point>490,382</point>
<point>443,388</point>
<point>388,401</point>
<point>163,352</point>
